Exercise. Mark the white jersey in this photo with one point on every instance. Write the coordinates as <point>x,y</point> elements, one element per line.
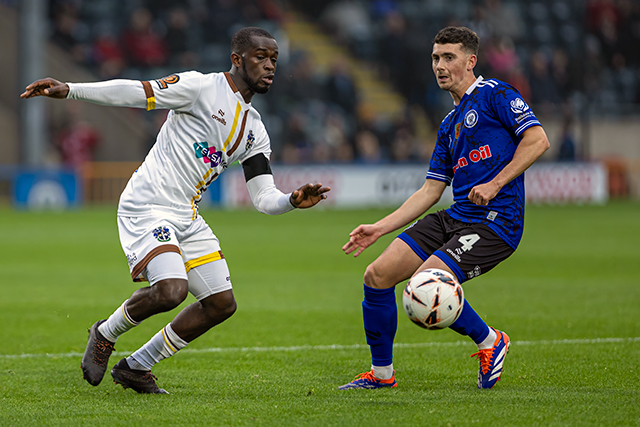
<point>209,127</point>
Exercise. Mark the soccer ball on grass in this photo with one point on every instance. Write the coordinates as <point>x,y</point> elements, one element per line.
<point>433,299</point>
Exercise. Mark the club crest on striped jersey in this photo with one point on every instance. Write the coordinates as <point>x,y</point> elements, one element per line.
<point>208,155</point>
<point>250,140</point>
<point>162,234</point>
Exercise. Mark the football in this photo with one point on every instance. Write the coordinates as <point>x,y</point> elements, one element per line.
<point>433,299</point>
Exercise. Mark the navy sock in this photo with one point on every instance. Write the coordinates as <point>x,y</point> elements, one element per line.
<point>380,315</point>
<point>470,324</point>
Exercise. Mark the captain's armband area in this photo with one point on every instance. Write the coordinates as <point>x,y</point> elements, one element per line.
<point>149,95</point>
<point>256,165</point>
<point>265,196</point>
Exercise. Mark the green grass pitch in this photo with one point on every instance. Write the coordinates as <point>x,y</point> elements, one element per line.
<point>569,299</point>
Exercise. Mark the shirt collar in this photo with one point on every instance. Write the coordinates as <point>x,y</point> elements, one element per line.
<point>473,86</point>
<point>469,90</point>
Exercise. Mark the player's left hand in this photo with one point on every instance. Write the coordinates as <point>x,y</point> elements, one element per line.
<point>308,195</point>
<point>483,193</point>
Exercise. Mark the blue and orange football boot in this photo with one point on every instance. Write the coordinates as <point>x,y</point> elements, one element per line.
<point>368,380</point>
<point>492,360</point>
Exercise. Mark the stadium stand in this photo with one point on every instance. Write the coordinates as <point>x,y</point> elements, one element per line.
<point>533,45</point>
<point>354,81</point>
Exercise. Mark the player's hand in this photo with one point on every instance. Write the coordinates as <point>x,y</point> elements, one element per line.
<point>483,193</point>
<point>308,195</point>
<point>361,238</point>
<point>48,87</point>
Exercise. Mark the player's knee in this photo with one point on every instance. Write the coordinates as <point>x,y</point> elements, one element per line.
<point>220,306</point>
<point>170,293</point>
<point>374,278</point>
<point>225,309</point>
<point>229,309</point>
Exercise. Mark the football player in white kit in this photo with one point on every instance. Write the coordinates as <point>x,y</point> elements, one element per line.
<point>167,243</point>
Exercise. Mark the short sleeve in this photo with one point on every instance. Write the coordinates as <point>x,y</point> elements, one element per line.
<point>441,166</point>
<point>258,141</point>
<point>512,111</point>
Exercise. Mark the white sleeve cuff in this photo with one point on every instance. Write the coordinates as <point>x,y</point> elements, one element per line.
<point>266,197</point>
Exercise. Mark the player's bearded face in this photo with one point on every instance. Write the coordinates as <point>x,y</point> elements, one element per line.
<point>259,65</point>
<point>256,84</point>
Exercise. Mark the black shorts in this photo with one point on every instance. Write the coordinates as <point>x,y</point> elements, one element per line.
<point>468,249</point>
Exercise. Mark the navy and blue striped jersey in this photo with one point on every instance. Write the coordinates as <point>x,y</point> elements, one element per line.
<point>475,142</point>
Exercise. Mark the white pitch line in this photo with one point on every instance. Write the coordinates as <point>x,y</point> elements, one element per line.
<point>335,347</point>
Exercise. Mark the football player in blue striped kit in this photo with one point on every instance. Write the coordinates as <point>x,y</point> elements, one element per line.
<point>483,147</point>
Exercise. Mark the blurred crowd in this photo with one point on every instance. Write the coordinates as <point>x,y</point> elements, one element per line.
<point>565,56</point>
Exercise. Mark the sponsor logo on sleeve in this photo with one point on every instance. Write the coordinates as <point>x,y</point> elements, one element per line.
<point>523,117</point>
<point>164,82</point>
<point>518,106</point>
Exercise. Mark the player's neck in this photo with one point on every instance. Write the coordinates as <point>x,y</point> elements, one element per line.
<point>459,91</point>
<point>241,85</point>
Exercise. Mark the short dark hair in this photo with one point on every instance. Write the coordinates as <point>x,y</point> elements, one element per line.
<point>454,35</point>
<point>242,41</point>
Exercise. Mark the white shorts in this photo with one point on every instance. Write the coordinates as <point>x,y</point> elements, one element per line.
<point>202,262</point>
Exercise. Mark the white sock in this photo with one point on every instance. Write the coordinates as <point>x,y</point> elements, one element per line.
<point>383,372</point>
<point>164,344</point>
<point>117,324</point>
<point>488,341</point>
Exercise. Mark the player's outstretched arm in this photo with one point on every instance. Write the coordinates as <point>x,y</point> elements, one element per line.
<point>533,144</point>
<point>308,195</point>
<point>48,87</point>
<point>121,92</point>
<point>421,201</point>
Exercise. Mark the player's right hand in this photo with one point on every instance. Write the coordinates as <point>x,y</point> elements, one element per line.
<point>360,239</point>
<point>48,87</point>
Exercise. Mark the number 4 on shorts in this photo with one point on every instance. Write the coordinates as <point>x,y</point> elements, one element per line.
<point>468,241</point>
